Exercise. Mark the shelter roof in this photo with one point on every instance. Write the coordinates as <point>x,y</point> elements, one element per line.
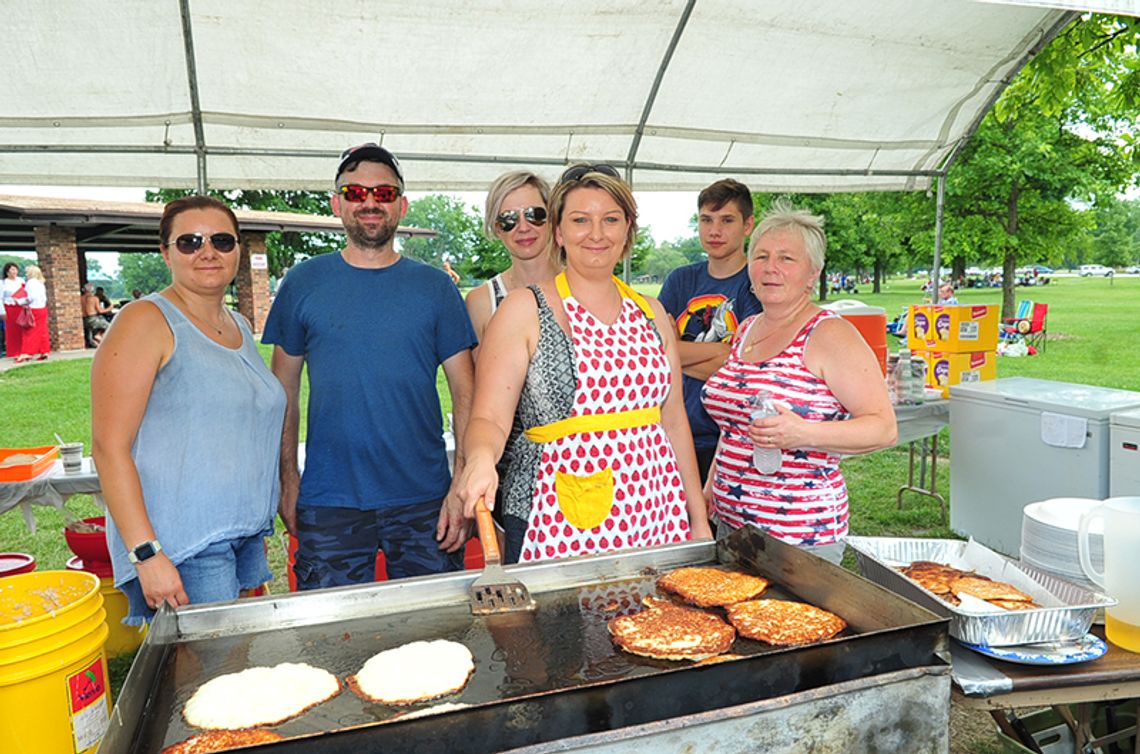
<point>133,226</point>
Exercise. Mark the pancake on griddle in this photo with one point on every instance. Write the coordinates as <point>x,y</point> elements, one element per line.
<point>414,673</point>
<point>222,740</point>
<point>672,632</point>
<point>259,696</point>
<point>712,587</point>
<point>783,622</point>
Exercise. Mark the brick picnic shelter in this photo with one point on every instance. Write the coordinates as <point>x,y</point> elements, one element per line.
<point>62,231</point>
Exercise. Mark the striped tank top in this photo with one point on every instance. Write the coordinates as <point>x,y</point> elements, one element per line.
<point>805,501</point>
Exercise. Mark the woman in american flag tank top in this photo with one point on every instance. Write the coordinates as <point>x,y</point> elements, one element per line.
<point>825,381</point>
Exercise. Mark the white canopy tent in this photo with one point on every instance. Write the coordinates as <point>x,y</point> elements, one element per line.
<point>827,95</point>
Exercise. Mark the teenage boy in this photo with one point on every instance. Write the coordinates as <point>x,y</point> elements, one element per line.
<point>707,300</point>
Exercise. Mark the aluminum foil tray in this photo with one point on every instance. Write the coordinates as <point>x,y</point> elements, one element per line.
<point>1068,608</point>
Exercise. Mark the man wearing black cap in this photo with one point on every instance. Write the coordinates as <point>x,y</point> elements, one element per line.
<point>373,327</point>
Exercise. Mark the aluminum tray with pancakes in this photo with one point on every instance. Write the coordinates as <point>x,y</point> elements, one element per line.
<point>1066,610</point>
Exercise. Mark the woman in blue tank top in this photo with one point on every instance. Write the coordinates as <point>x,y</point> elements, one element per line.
<point>186,426</point>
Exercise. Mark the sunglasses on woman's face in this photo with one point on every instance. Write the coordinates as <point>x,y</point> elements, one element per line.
<point>189,243</point>
<point>355,193</point>
<point>577,172</point>
<point>509,219</point>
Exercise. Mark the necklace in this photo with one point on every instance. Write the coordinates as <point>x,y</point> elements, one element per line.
<point>199,320</point>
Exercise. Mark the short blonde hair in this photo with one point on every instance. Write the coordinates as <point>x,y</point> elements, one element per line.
<point>783,215</point>
<point>497,194</point>
<point>34,273</point>
<point>615,187</point>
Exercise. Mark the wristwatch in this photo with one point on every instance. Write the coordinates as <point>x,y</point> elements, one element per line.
<point>145,551</point>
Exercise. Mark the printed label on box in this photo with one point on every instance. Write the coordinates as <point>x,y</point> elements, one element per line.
<point>968,330</point>
<point>87,692</point>
<point>970,376</point>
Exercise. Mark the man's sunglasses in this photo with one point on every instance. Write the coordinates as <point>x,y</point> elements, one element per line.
<point>355,193</point>
<point>577,172</point>
<point>189,243</point>
<point>507,221</point>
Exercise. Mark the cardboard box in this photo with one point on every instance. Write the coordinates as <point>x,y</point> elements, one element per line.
<point>920,328</point>
<point>963,328</point>
<point>944,368</point>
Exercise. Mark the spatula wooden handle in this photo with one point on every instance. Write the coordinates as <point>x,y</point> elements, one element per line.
<point>487,533</point>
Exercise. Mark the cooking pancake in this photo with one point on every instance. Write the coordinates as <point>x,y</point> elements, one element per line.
<point>671,632</point>
<point>712,587</point>
<point>222,740</point>
<point>783,622</point>
<point>259,696</point>
<point>414,673</point>
<point>986,589</point>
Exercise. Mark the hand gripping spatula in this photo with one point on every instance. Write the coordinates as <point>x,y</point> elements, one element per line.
<point>495,591</point>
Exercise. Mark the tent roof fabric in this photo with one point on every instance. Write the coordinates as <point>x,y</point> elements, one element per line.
<point>828,95</point>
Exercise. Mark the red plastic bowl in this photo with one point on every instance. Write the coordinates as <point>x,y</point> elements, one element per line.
<point>91,548</point>
<point>12,563</point>
<point>102,570</point>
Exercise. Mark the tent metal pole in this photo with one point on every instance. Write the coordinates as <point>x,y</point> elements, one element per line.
<point>682,22</point>
<point>195,103</point>
<point>937,239</point>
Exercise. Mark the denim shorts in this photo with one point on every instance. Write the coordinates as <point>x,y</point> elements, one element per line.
<point>215,574</point>
<point>338,546</point>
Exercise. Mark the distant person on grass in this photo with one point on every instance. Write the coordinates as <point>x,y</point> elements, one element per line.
<point>709,299</point>
<point>373,327</point>
<point>186,421</point>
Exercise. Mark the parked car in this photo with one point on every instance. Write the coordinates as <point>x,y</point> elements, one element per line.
<point>1095,270</point>
<point>1133,270</point>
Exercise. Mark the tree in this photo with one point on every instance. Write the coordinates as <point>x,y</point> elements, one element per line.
<point>1116,237</point>
<point>146,271</point>
<point>662,260</point>
<point>459,237</point>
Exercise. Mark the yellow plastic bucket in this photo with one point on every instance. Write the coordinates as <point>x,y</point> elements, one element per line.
<point>120,638</point>
<point>54,697</point>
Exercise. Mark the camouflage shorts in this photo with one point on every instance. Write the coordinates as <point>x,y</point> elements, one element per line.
<point>337,546</point>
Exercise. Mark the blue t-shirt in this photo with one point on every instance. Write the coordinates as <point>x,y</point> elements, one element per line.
<point>707,310</point>
<point>373,340</point>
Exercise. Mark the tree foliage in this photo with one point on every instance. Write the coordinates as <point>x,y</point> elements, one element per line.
<point>146,271</point>
<point>459,238</point>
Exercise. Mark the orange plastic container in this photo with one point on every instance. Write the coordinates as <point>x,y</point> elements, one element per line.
<point>871,322</point>
<point>22,472</point>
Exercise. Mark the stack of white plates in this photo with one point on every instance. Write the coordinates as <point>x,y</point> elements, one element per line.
<point>1049,538</point>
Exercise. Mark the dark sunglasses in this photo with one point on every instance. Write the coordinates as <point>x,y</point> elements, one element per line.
<point>577,172</point>
<point>355,193</point>
<point>507,221</point>
<point>189,243</point>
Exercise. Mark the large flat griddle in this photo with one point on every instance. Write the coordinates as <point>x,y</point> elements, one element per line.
<point>540,677</point>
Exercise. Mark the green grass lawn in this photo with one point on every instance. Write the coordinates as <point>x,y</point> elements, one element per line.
<point>1091,325</point>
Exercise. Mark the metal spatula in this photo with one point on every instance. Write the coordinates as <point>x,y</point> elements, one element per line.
<point>495,591</point>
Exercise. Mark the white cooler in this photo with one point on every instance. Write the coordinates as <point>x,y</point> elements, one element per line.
<point>1124,455</point>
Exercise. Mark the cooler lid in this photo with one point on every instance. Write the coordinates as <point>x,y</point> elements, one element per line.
<point>1088,401</point>
<point>1130,419</point>
<point>852,306</point>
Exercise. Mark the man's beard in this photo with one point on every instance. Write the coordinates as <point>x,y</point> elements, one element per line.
<point>375,239</point>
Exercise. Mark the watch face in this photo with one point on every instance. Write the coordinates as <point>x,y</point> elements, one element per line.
<point>145,551</point>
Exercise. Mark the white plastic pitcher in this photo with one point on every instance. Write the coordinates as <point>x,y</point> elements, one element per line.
<point>1121,566</point>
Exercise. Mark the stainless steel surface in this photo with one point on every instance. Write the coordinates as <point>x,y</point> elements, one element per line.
<point>540,677</point>
<point>877,557</point>
<point>495,591</point>
<point>905,711</point>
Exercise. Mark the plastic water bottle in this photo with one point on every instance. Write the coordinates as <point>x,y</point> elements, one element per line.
<point>904,378</point>
<point>918,381</point>
<point>766,460</point>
